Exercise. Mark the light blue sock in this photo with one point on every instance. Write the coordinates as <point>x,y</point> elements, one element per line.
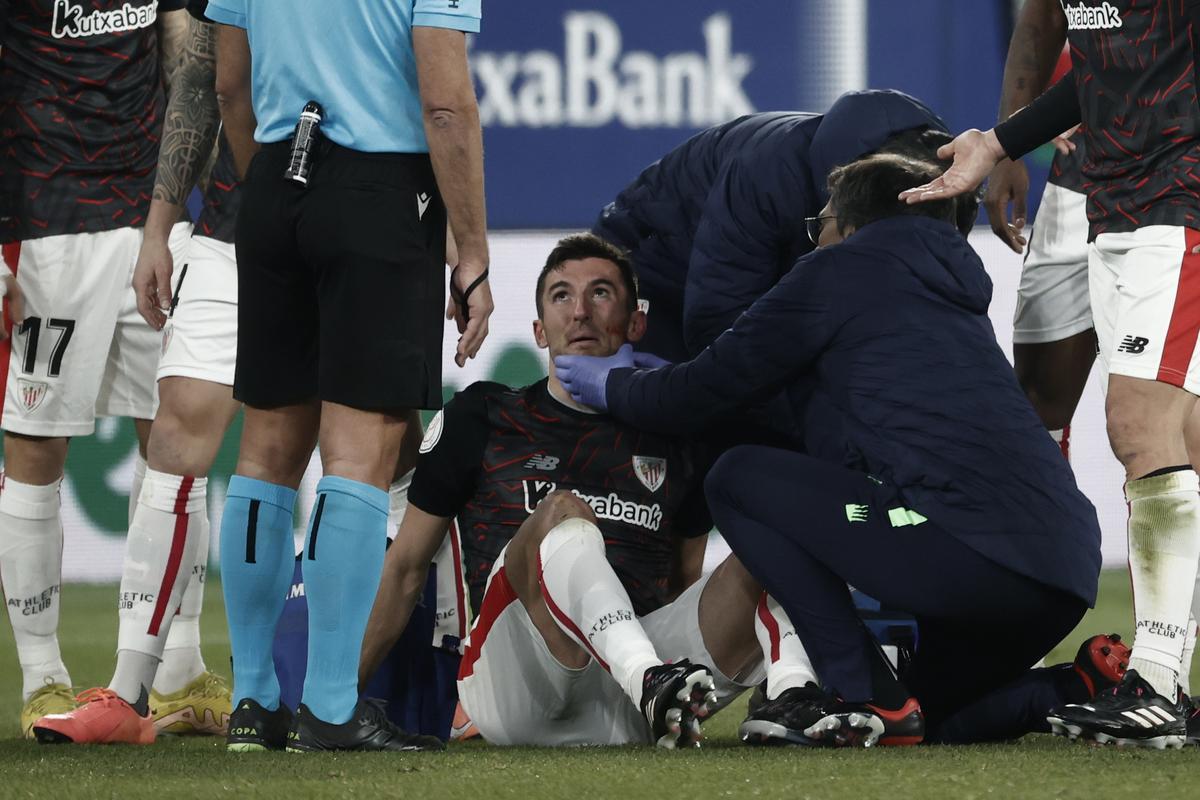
<point>343,558</point>
<point>257,563</point>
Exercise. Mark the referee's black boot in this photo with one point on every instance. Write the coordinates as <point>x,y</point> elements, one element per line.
<point>367,729</point>
<point>253,728</point>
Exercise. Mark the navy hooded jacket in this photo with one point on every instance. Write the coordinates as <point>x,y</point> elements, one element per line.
<point>884,349</point>
<point>717,221</point>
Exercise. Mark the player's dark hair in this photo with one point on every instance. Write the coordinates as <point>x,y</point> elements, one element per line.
<point>579,246</point>
<point>866,190</point>
<point>922,144</point>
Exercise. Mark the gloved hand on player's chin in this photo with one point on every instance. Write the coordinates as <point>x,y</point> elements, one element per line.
<point>586,377</point>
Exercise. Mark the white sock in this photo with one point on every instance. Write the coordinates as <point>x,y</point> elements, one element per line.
<point>31,542</point>
<point>398,501</point>
<point>1164,544</point>
<point>182,661</point>
<point>788,666</point>
<point>135,489</point>
<point>1062,438</point>
<point>1189,649</point>
<point>589,603</point>
<point>158,553</point>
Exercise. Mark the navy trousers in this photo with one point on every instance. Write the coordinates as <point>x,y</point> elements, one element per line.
<point>807,528</point>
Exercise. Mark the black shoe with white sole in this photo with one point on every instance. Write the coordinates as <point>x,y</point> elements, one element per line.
<point>675,697</point>
<point>1130,714</point>
<point>813,717</point>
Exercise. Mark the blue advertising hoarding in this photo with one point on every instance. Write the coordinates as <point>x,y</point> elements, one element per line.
<point>577,96</point>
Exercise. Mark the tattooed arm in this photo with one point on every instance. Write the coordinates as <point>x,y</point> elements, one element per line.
<point>189,135</point>
<point>1036,43</point>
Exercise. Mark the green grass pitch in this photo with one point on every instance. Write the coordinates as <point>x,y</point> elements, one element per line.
<point>1037,766</point>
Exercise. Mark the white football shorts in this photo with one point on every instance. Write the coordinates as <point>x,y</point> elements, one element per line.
<point>83,351</point>
<point>1145,288</point>
<point>200,338</point>
<point>517,693</point>
<point>1052,300</point>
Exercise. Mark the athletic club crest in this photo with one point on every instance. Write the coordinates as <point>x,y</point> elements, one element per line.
<point>650,470</point>
<point>32,393</point>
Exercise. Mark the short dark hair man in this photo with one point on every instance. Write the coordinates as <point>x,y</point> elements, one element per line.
<point>928,483</point>
<point>571,520</point>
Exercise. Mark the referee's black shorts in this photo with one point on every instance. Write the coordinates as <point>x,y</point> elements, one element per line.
<point>341,285</point>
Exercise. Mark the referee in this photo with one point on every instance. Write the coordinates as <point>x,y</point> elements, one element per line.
<point>357,126</point>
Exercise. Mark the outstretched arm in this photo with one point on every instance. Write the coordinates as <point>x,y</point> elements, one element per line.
<point>404,572</point>
<point>976,153</point>
<point>778,337</point>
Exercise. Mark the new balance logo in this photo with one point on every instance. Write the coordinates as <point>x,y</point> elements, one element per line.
<point>1133,344</point>
<point>543,462</point>
<point>856,512</point>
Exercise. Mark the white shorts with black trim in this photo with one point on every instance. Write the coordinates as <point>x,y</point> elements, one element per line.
<point>83,351</point>
<point>517,693</point>
<point>200,338</point>
<point>1053,302</point>
<point>1145,289</point>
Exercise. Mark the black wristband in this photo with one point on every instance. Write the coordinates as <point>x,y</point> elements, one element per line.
<point>1052,113</point>
<point>460,298</point>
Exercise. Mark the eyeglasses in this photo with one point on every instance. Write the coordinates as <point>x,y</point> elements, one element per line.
<point>815,225</point>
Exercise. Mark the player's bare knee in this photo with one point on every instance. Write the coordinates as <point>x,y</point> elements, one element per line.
<point>35,460</point>
<point>274,460</point>
<point>276,444</point>
<point>733,573</point>
<point>556,508</point>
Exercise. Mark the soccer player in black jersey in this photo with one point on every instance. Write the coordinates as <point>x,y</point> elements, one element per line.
<point>572,521</point>
<point>81,106</point>
<point>167,549</point>
<point>1134,89</point>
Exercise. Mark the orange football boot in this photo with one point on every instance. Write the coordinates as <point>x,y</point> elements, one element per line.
<point>101,718</point>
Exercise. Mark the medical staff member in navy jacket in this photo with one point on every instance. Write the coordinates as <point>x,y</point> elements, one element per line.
<point>928,481</point>
<point>716,222</point>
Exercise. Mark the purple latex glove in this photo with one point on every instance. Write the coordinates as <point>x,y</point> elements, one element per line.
<point>649,361</point>
<point>586,377</point>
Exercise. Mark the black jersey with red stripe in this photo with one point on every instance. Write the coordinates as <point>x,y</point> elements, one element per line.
<point>81,111</point>
<point>493,453</point>
<point>218,218</point>
<point>1135,76</point>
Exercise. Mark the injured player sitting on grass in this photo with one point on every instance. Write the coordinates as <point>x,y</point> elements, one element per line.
<point>575,524</point>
